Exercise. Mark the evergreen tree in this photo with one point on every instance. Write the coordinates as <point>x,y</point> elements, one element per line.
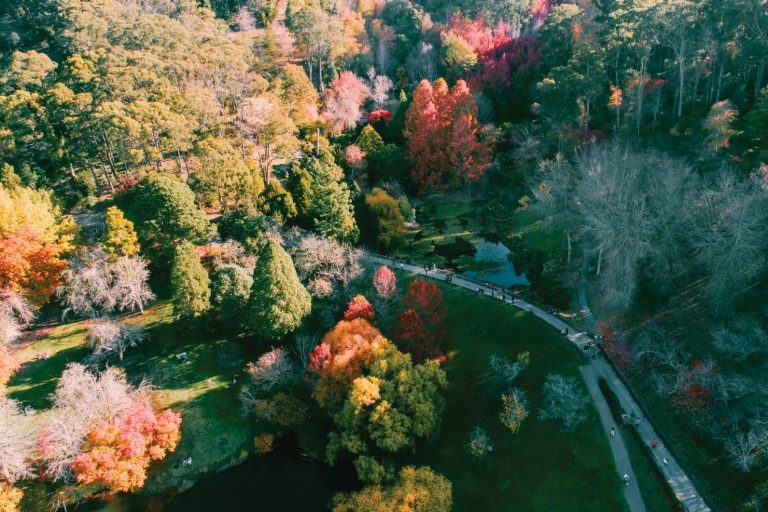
<point>331,203</point>
<point>278,302</point>
<point>120,239</point>
<point>369,140</point>
<point>230,292</point>
<point>190,284</point>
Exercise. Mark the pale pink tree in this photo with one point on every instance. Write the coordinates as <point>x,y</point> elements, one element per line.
<point>355,158</point>
<point>385,282</point>
<point>343,101</point>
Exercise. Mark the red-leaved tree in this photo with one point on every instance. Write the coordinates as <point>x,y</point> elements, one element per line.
<point>421,327</point>
<point>378,115</point>
<point>441,126</point>
<point>118,453</point>
<point>359,307</point>
<point>385,282</point>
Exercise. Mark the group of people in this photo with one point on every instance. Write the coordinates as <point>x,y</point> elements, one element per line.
<point>43,356</point>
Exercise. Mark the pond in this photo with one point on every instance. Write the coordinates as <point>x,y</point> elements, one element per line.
<point>494,266</point>
<point>276,481</point>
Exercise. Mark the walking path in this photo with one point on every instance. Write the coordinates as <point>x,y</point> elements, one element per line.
<point>596,368</point>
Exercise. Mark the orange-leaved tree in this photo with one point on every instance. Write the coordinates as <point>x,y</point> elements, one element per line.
<point>359,307</point>
<point>118,453</point>
<point>30,263</point>
<point>441,127</point>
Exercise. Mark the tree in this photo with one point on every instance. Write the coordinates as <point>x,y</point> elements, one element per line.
<point>324,259</point>
<point>88,289</point>
<point>30,264</point>
<point>190,284</point>
<point>16,444</point>
<point>117,453</point>
<point>479,444</point>
<point>441,127</point>
<point>385,282</point>
<point>359,307</point>
<point>415,490</point>
<point>514,410</point>
<point>224,180</point>
<point>382,84</point>
<point>331,204</point>
<point>273,372</point>
<point>82,401</point>
<point>230,291</point>
<point>421,326</point>
<point>303,346</point>
<point>343,101</point>
<point>14,310</point>
<point>384,226</point>
<point>10,497</point>
<point>278,303</point>
<point>108,336</point>
<point>164,213</point>
<point>564,400</point>
<point>130,283</point>
<point>277,202</point>
<point>718,124</point>
<point>382,415</point>
<point>369,141</point>
<point>120,239</point>
<point>456,55</point>
<point>745,338</point>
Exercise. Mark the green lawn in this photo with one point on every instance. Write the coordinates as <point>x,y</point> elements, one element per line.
<point>545,469</point>
<point>213,433</point>
<point>530,226</point>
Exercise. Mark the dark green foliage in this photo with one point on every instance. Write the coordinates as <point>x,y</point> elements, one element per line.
<point>277,202</point>
<point>279,302</point>
<point>331,208</point>
<point>190,284</point>
<point>300,186</point>
<point>247,226</point>
<point>387,164</point>
<point>404,18</point>
<point>397,124</point>
<point>164,214</point>
<point>406,210</point>
<point>229,293</point>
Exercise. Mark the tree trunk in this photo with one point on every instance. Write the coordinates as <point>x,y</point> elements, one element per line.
<point>178,161</point>
<point>599,261</point>
<point>696,86</point>
<point>108,151</point>
<point>759,79</point>
<point>568,238</point>
<point>72,172</point>
<point>719,83</point>
<point>317,144</point>
<point>681,78</point>
<point>309,62</point>
<point>95,178</point>
<point>640,93</point>
<point>106,173</point>
<point>586,116</point>
<point>618,104</point>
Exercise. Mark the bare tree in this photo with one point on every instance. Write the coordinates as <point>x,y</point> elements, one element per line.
<point>245,20</point>
<point>384,55</point>
<point>479,444</point>
<point>564,400</point>
<point>745,338</point>
<point>504,372</point>
<point>654,345</point>
<point>273,371</point>
<point>316,257</point>
<point>110,337</point>
<point>729,234</point>
<point>382,84</point>
<point>421,64</point>
<point>17,442</point>
<point>303,345</point>
<point>14,311</point>
<point>484,107</point>
<point>82,400</point>
<point>130,283</point>
<point>88,288</point>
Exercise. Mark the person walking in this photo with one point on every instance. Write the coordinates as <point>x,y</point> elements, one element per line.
<point>637,422</point>
<point>666,461</point>
<point>626,480</point>
<point>653,443</point>
<point>613,431</point>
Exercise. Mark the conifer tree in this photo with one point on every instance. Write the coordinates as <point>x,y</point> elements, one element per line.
<point>278,302</point>
<point>190,284</point>
<point>331,203</point>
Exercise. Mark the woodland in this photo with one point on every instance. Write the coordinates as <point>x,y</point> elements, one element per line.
<point>193,195</point>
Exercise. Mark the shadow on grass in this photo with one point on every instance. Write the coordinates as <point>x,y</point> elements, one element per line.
<point>36,380</point>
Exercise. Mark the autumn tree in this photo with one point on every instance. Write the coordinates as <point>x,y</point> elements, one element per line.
<point>359,307</point>
<point>381,221</point>
<point>14,311</point>
<point>16,444</point>
<point>120,238</point>
<point>343,101</point>
<point>718,124</point>
<point>380,415</point>
<point>190,284</point>
<point>415,490</point>
<point>278,302</point>
<point>109,337</point>
<point>441,126</point>
<point>385,282</point>
<point>421,326</point>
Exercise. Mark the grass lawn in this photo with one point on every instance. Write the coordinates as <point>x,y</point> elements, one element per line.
<point>544,469</point>
<point>529,225</point>
<point>213,433</point>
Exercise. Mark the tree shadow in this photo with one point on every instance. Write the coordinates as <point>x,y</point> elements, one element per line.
<point>36,380</point>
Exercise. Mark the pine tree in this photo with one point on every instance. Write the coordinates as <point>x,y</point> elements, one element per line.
<point>278,302</point>
<point>331,203</point>
<point>120,239</point>
<point>190,284</point>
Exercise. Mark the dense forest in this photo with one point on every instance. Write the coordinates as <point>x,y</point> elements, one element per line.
<point>239,162</point>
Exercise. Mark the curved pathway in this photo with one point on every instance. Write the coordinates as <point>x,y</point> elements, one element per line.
<point>596,368</point>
